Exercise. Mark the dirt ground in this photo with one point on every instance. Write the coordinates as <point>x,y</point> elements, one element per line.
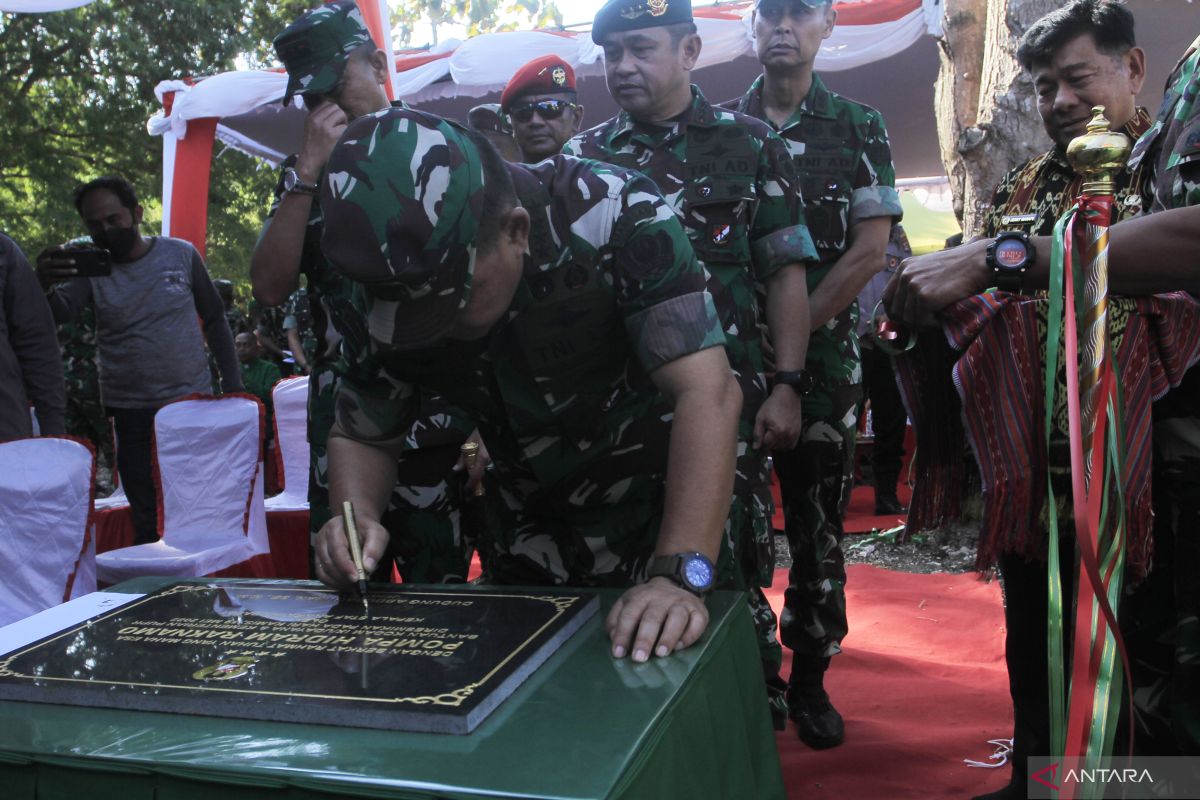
<point>949,549</point>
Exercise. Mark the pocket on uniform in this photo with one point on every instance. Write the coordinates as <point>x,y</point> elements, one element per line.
<point>718,213</point>
<point>826,211</point>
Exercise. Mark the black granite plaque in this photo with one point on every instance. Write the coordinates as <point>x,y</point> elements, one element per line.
<point>429,659</point>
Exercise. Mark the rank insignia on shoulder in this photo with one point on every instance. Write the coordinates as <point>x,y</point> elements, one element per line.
<point>721,233</point>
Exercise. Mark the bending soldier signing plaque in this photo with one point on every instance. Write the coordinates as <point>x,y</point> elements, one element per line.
<point>428,660</point>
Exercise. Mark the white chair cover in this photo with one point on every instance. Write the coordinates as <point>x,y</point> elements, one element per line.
<point>45,516</point>
<point>290,398</point>
<point>209,482</point>
<point>115,500</point>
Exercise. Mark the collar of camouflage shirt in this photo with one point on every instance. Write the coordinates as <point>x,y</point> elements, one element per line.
<point>699,114</point>
<point>817,103</point>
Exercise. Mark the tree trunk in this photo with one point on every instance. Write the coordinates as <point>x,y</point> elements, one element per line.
<point>986,108</point>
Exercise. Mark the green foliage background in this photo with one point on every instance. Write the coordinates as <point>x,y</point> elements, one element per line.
<point>76,89</point>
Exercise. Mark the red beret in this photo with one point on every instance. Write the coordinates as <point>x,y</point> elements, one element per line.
<point>540,76</point>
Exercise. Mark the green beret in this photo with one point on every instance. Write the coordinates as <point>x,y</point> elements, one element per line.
<point>632,15</point>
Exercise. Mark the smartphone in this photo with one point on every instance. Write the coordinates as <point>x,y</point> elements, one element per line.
<point>90,262</point>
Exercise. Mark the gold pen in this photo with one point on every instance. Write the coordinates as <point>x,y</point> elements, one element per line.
<point>355,552</point>
<point>470,454</point>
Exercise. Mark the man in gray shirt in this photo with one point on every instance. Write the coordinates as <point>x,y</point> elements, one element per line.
<point>30,363</point>
<point>151,348</point>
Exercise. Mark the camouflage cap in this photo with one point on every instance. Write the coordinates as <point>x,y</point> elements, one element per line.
<point>632,15</point>
<point>489,117</point>
<point>315,48</point>
<point>402,200</point>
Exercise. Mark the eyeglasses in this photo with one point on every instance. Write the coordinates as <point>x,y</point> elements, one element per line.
<point>546,109</point>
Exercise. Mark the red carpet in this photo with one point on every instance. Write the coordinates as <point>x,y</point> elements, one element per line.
<point>921,684</point>
<point>860,514</point>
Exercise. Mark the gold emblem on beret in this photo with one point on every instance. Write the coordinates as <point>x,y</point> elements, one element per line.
<point>559,76</point>
<point>656,8</point>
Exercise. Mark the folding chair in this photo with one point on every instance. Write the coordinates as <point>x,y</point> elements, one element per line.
<point>45,520</point>
<point>209,481</point>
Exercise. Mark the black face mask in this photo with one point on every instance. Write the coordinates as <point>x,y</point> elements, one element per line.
<point>118,241</point>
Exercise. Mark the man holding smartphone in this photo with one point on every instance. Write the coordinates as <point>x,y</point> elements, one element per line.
<point>146,302</point>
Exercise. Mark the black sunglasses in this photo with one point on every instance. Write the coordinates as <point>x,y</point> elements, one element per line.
<point>546,109</point>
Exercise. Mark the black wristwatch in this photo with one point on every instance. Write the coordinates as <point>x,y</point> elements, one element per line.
<point>800,381</point>
<point>1008,257</point>
<point>692,571</point>
<point>292,182</point>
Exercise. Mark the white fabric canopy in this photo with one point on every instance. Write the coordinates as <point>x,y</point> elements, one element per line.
<point>867,31</point>
<point>243,109</point>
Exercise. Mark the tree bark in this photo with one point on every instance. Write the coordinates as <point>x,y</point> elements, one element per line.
<point>987,118</point>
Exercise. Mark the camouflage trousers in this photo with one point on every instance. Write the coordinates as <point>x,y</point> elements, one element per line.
<point>86,419</point>
<point>748,533</point>
<point>424,514</point>
<point>815,479</point>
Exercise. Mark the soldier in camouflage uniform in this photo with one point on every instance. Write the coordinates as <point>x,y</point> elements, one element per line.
<point>569,316</point>
<point>332,62</point>
<point>1151,252</point>
<point>233,315</point>
<point>85,415</point>
<point>841,152</point>
<point>298,328</point>
<point>1170,154</point>
<point>730,181</point>
<point>85,412</point>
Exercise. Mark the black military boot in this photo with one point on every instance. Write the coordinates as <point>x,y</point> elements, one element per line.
<point>886,502</point>
<point>818,724</point>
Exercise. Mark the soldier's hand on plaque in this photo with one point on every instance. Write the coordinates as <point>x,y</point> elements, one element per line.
<point>777,425</point>
<point>924,285</point>
<point>657,617</point>
<point>331,556</point>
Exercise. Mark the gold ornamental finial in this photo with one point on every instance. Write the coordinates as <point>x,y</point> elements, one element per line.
<point>1099,154</point>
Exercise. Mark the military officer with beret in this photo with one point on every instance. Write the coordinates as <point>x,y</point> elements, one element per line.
<point>732,183</point>
<point>844,160</point>
<point>562,306</point>
<point>541,103</point>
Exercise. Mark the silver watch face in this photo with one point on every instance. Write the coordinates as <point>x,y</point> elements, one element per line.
<point>698,572</point>
<point>293,183</point>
